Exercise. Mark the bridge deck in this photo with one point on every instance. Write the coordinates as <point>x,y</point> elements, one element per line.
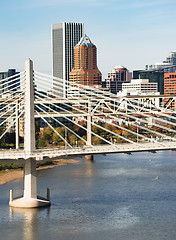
<point>51,153</point>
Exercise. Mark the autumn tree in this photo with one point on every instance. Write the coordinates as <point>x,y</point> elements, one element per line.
<point>56,138</point>
<point>47,134</point>
<point>2,141</point>
<point>96,140</point>
<point>81,142</point>
<point>80,130</point>
<point>72,139</point>
<point>41,142</point>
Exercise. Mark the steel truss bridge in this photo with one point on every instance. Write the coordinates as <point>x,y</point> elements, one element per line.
<point>123,125</point>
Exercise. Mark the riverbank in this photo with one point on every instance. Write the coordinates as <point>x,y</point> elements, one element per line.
<point>7,176</point>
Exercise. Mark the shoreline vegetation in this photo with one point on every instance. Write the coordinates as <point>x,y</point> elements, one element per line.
<point>10,172</point>
<point>116,133</point>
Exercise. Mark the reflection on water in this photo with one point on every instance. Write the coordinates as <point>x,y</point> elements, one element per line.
<point>29,217</point>
<point>89,168</point>
<point>30,220</point>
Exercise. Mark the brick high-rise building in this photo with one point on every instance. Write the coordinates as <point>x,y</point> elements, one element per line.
<point>85,70</point>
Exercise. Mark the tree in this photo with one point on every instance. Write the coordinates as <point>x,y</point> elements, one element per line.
<point>170,126</point>
<point>47,134</point>
<point>96,140</point>
<point>72,139</point>
<point>37,132</point>
<point>110,127</point>
<point>134,128</point>
<point>56,139</point>
<point>2,141</point>
<point>118,131</point>
<point>98,131</point>
<point>79,130</point>
<point>119,140</point>
<point>125,134</point>
<point>41,142</point>
<point>81,142</point>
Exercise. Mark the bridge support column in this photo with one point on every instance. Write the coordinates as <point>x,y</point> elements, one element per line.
<point>89,132</point>
<point>30,179</point>
<point>89,157</point>
<point>30,198</point>
<point>17,125</point>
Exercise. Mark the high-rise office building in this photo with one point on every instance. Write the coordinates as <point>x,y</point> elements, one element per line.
<point>85,70</point>
<point>64,37</point>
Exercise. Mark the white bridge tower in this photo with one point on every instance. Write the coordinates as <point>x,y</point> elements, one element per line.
<point>30,198</point>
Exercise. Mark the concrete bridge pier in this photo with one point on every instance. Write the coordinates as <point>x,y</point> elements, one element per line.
<point>89,157</point>
<point>29,198</point>
<point>30,179</point>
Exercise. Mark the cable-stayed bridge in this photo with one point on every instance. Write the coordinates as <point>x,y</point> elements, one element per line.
<point>110,124</point>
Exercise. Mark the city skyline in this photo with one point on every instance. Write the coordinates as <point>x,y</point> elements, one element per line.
<point>130,33</point>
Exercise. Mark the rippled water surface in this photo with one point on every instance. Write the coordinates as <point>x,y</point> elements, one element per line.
<point>118,196</point>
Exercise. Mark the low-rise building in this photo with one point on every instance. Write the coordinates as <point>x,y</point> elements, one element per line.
<point>139,87</point>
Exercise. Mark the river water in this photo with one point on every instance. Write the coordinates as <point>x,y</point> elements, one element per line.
<point>118,196</point>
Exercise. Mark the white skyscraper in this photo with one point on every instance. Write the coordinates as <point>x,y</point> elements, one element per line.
<point>64,37</point>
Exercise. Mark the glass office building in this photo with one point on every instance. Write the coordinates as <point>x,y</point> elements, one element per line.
<point>64,37</point>
<point>155,76</point>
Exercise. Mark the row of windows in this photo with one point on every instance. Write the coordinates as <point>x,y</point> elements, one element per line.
<point>174,89</point>
<point>168,84</point>
<point>138,86</point>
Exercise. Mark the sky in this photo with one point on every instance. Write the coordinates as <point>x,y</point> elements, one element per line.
<point>132,33</point>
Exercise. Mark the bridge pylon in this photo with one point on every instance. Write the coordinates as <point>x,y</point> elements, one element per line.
<point>30,198</point>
